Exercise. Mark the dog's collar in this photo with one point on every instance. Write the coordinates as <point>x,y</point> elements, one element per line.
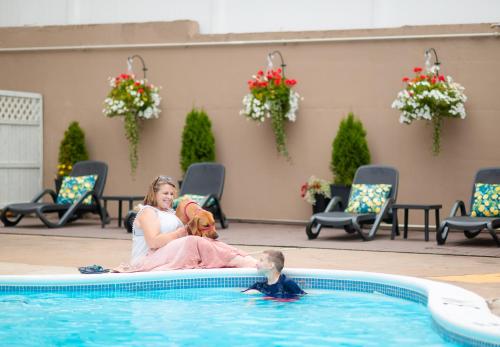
<point>189,203</point>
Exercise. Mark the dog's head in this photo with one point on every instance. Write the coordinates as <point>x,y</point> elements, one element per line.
<point>203,224</point>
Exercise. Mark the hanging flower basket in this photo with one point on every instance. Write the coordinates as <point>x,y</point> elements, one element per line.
<point>271,96</point>
<point>135,100</point>
<point>430,96</point>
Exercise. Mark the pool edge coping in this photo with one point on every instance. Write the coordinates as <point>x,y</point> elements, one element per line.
<point>453,309</point>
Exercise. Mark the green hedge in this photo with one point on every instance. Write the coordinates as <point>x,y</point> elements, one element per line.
<point>198,142</point>
<point>349,150</point>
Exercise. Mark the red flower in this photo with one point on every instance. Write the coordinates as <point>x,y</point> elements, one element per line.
<point>140,91</point>
<point>405,79</point>
<point>303,190</point>
<point>441,78</point>
<point>277,82</point>
<point>433,80</point>
<point>260,73</point>
<point>417,69</point>
<point>137,83</point>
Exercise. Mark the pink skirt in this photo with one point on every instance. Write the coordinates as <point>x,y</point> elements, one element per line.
<point>190,252</point>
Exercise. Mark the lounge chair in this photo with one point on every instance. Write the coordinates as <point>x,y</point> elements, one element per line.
<point>207,180</point>
<point>205,183</point>
<point>472,224</point>
<point>12,214</point>
<point>354,222</point>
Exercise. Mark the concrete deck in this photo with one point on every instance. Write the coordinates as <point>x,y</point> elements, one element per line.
<point>471,264</point>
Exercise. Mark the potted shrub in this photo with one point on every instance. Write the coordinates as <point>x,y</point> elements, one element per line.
<point>71,150</point>
<point>198,142</point>
<point>349,151</point>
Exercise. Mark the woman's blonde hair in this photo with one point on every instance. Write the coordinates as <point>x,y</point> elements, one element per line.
<point>154,187</point>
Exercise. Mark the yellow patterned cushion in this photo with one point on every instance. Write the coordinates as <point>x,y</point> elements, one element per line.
<point>368,198</point>
<point>72,188</point>
<point>486,200</point>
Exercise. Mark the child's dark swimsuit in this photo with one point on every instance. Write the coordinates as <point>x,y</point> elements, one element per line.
<point>283,289</point>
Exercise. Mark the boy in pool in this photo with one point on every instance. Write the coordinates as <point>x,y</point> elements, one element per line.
<point>276,285</point>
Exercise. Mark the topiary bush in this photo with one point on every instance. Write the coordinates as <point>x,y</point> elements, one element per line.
<point>349,150</point>
<point>198,142</point>
<point>72,149</point>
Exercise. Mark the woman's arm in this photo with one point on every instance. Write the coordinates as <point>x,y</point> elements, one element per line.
<point>150,223</point>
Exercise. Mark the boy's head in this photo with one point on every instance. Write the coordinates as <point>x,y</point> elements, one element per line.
<point>271,259</point>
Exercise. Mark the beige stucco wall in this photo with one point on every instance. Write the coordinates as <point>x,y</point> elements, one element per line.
<point>334,79</point>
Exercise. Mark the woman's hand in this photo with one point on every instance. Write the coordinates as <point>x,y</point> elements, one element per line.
<point>150,223</point>
<point>182,231</point>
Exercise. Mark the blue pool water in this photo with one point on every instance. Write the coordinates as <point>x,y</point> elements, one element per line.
<point>213,317</point>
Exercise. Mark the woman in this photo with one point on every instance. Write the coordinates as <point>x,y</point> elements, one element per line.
<point>161,242</point>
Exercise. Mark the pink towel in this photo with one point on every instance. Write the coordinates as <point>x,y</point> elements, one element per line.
<point>190,252</point>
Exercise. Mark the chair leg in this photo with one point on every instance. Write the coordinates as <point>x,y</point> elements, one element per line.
<point>367,236</point>
<point>45,221</point>
<point>223,221</point>
<point>7,222</point>
<point>442,233</point>
<point>471,234</point>
<point>312,229</point>
<point>493,234</point>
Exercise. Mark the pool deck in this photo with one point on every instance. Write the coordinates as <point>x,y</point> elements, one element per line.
<point>472,264</point>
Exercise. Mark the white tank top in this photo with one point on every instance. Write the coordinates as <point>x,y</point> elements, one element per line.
<point>168,223</point>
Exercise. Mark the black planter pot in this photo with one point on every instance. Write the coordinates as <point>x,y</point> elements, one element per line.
<point>321,203</point>
<point>57,183</point>
<point>343,192</point>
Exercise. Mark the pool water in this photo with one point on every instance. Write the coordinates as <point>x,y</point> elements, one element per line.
<point>213,317</point>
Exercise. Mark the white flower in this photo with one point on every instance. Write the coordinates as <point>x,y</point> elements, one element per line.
<point>255,109</point>
<point>145,108</point>
<point>424,100</point>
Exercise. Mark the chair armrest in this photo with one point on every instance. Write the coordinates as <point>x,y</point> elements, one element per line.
<point>336,200</point>
<point>208,198</point>
<point>458,204</point>
<point>386,207</point>
<point>44,192</point>
<point>79,203</point>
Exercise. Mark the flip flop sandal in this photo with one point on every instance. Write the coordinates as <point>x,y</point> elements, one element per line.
<point>92,269</point>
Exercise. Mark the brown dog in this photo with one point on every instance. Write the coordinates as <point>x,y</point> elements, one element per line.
<point>199,221</point>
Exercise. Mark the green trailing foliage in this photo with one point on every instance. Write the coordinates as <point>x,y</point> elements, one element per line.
<point>71,149</point>
<point>349,150</point>
<point>198,142</point>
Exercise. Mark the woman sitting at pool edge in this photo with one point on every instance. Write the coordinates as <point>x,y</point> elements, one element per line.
<point>161,242</point>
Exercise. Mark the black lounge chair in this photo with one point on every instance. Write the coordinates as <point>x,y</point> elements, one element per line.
<point>67,212</point>
<point>205,179</point>
<point>470,225</point>
<point>354,222</point>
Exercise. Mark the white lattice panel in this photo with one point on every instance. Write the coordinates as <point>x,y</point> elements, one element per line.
<point>21,146</point>
<point>22,108</point>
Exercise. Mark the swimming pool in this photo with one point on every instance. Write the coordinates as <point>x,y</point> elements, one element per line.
<point>205,307</point>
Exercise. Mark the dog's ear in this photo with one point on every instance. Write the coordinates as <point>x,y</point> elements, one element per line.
<point>193,228</point>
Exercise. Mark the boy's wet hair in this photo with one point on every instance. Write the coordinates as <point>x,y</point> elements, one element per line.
<point>277,258</point>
